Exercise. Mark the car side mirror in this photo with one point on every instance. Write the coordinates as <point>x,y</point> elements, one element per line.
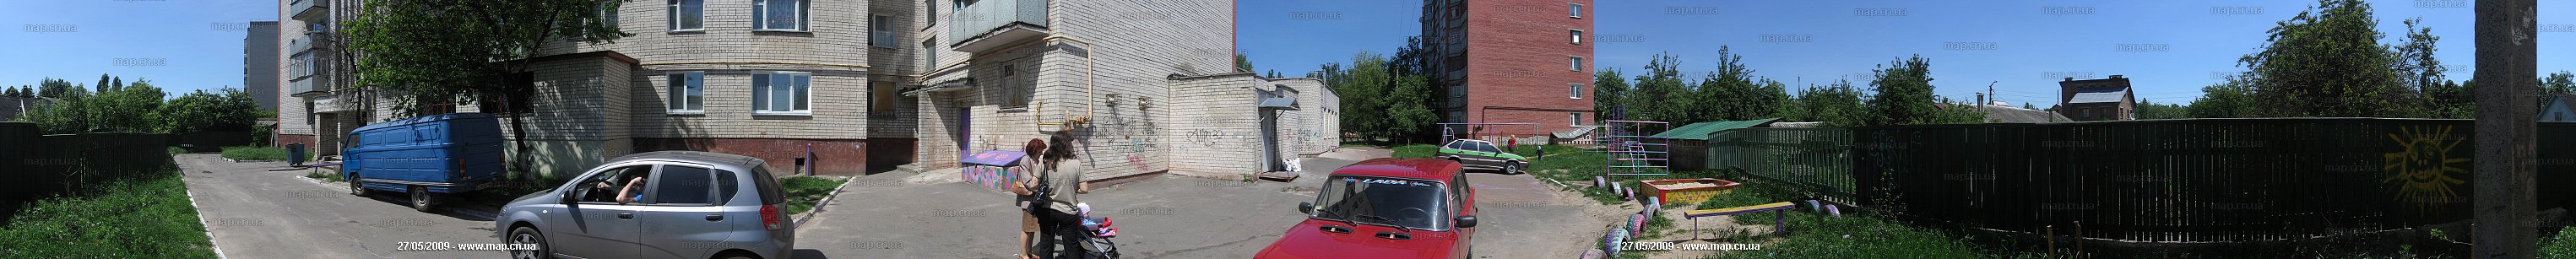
<point>564,197</point>
<point>1306,207</point>
<point>1466,221</point>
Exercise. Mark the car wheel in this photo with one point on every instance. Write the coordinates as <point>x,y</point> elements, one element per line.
<point>420,198</point>
<point>529,235</point>
<point>1512,167</point>
<point>354,189</point>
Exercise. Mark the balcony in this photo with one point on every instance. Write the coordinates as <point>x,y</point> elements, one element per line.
<point>309,42</point>
<point>990,24</point>
<point>310,10</point>
<point>308,86</point>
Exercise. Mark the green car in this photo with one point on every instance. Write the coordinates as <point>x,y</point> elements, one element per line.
<point>1482,154</point>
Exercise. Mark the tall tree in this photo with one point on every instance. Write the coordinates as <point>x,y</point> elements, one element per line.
<point>1660,94</point>
<point>1837,104</point>
<point>102,85</point>
<point>1609,90</point>
<point>441,51</point>
<point>2148,110</point>
<point>120,84</point>
<point>1902,94</point>
<point>2229,99</point>
<point>227,109</point>
<point>57,87</point>
<point>2327,62</point>
<point>2562,82</point>
<point>1242,64</point>
<point>13,91</point>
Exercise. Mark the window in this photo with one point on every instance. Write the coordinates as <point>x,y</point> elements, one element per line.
<point>930,13</point>
<point>687,92</point>
<point>1019,93</point>
<point>881,97</point>
<point>930,51</point>
<point>881,31</point>
<point>1574,10</point>
<point>778,15</point>
<point>603,187</point>
<point>609,11</point>
<point>1576,65</point>
<point>779,93</point>
<point>1574,91</point>
<point>301,65</point>
<point>683,185</point>
<point>1577,35</point>
<point>688,15</point>
<point>1574,119</point>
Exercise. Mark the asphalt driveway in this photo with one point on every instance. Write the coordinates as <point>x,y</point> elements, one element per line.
<point>256,213</point>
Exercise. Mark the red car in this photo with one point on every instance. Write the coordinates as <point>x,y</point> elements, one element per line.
<point>1385,208</point>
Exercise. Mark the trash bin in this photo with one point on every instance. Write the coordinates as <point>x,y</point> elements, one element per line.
<point>295,154</point>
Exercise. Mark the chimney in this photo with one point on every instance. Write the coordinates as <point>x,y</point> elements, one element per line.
<point>2070,79</point>
<point>2115,76</point>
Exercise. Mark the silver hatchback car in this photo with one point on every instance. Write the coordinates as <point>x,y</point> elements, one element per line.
<point>688,205</point>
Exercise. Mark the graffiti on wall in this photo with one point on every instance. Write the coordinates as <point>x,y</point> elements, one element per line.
<point>1224,139</point>
<point>2422,169</point>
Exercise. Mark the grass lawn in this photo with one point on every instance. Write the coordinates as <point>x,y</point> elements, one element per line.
<point>148,217</point>
<point>254,153</point>
<point>804,191</point>
<point>1855,235</point>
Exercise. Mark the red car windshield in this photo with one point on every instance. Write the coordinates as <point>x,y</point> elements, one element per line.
<point>1393,202</point>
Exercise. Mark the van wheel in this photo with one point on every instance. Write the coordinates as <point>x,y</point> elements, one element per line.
<point>354,189</point>
<point>528,235</point>
<point>420,198</point>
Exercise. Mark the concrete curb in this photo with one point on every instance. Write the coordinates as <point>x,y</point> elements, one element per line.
<point>827,199</point>
<point>208,228</point>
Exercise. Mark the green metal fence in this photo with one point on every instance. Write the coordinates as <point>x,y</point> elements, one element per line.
<point>2198,180</point>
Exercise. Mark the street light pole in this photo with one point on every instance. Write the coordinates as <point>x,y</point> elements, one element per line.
<point>2503,199</point>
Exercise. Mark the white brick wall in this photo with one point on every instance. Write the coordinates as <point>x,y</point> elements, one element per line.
<point>1215,123</point>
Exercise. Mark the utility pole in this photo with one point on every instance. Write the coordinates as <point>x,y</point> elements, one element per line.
<point>2501,215</point>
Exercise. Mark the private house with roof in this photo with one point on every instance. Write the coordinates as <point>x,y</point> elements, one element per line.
<point>2097,99</point>
<point>858,87</point>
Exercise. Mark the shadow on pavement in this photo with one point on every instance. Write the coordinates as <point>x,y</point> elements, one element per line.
<point>809,253</point>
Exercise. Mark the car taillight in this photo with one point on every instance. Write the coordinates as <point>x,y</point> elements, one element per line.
<point>769,217</point>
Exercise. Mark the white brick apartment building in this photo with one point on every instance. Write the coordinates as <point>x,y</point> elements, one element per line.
<point>852,87</point>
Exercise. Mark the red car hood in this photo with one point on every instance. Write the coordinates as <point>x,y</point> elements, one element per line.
<point>1309,240</point>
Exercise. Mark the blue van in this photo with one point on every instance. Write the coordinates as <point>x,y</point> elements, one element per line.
<point>426,157</point>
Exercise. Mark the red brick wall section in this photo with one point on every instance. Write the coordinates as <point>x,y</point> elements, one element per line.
<point>1517,62</point>
<point>832,156</point>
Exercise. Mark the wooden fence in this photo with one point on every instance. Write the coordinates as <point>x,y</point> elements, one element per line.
<point>2197,180</point>
<point>35,166</point>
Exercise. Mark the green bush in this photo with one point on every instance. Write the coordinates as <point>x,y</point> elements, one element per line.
<point>803,192</point>
<point>254,153</point>
<point>142,218</point>
<point>2562,246</point>
<point>177,150</point>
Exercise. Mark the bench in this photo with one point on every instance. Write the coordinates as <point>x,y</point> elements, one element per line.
<point>1779,219</point>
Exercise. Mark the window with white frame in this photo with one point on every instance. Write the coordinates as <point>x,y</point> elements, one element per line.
<point>779,92</point>
<point>687,92</point>
<point>688,15</point>
<point>881,31</point>
<point>778,15</point>
<point>1574,91</point>
<point>1574,10</point>
<point>1576,34</point>
<point>1575,63</point>
<point>1574,119</point>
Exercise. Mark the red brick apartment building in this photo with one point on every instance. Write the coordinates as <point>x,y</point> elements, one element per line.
<point>1511,61</point>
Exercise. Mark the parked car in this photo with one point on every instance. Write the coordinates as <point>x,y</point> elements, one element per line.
<point>692,205</point>
<point>1385,208</point>
<point>427,157</point>
<point>1482,154</point>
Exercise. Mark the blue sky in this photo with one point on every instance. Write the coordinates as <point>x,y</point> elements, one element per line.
<point>2169,49</point>
<point>181,45</point>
